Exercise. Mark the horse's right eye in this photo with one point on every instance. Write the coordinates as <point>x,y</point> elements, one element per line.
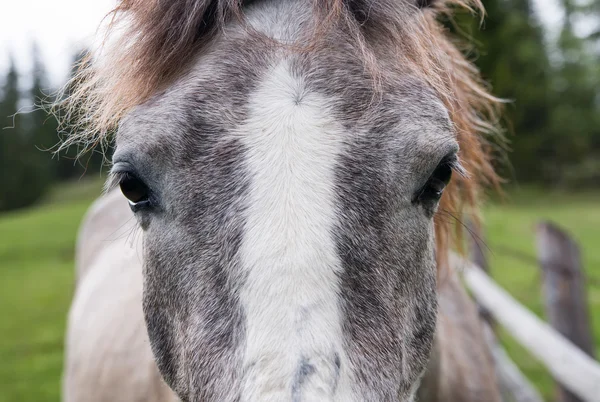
<point>135,191</point>
<point>434,188</point>
<point>429,195</point>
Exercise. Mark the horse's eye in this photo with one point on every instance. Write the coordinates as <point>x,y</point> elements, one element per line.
<point>434,188</point>
<point>135,191</point>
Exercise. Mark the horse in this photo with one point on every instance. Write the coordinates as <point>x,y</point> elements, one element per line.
<point>288,171</point>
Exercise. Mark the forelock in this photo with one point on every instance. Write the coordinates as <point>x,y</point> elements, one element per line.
<point>149,44</point>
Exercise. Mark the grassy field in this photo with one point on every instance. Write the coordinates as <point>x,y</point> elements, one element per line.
<point>36,285</point>
<point>36,277</point>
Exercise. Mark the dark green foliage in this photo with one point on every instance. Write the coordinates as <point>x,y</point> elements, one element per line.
<point>72,164</point>
<point>552,119</point>
<point>577,110</point>
<point>23,179</point>
<point>41,128</point>
<point>29,165</point>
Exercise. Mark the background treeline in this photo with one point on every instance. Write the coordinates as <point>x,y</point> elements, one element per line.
<point>552,80</point>
<point>29,136</point>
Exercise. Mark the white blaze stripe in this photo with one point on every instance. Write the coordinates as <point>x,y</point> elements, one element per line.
<point>290,299</point>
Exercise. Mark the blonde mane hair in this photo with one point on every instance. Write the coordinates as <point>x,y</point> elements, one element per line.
<point>149,43</point>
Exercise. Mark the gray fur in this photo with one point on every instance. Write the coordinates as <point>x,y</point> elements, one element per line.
<point>305,370</point>
<point>178,144</point>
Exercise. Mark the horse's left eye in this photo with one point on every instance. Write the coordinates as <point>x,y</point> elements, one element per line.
<point>432,191</point>
<point>135,191</point>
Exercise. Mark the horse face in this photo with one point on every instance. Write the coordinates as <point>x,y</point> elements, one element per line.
<point>286,200</point>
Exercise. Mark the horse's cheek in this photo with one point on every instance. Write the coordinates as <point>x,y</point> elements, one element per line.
<point>158,307</point>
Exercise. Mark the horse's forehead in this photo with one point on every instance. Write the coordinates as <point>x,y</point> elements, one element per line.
<point>213,99</point>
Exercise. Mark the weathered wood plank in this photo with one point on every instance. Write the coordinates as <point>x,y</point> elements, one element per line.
<point>515,387</point>
<point>567,363</point>
<point>564,291</point>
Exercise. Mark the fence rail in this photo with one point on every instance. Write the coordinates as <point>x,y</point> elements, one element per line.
<point>513,384</point>
<point>573,368</point>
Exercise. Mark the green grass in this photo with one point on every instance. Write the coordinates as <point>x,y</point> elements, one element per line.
<point>36,286</point>
<point>36,277</point>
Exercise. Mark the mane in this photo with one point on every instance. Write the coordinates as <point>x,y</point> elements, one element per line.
<point>149,43</point>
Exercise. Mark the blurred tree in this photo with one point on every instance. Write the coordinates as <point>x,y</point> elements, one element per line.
<point>512,56</point>
<point>20,178</point>
<point>552,117</point>
<point>72,163</point>
<point>42,127</point>
<point>576,115</point>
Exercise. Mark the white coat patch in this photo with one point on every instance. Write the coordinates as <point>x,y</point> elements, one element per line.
<point>294,345</point>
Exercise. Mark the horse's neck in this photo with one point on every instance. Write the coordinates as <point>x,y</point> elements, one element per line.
<point>460,367</point>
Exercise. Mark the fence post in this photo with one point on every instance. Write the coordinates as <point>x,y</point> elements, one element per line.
<point>564,290</point>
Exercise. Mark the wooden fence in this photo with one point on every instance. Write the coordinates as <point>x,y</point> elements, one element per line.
<point>564,345</point>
